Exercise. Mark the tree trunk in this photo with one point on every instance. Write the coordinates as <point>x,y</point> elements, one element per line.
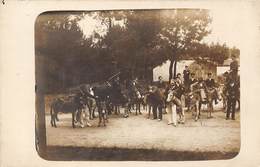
<point>170,70</point>
<point>175,69</point>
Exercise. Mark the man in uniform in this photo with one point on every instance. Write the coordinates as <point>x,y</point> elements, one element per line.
<point>232,93</point>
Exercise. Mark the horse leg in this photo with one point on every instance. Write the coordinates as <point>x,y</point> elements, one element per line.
<point>73,118</point>
<point>238,101</point>
<point>211,109</point>
<point>51,112</point>
<point>136,108</point>
<point>52,121</point>
<point>82,115</point>
<point>149,110</point>
<point>93,110</point>
<point>198,107</point>
<point>103,118</point>
<point>139,107</point>
<point>56,117</point>
<point>100,117</point>
<point>90,112</point>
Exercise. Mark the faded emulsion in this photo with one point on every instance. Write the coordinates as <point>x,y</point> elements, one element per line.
<point>136,85</point>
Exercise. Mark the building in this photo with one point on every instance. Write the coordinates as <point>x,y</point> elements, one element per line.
<point>163,70</point>
<point>200,69</point>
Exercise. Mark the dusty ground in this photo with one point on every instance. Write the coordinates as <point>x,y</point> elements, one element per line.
<point>138,132</point>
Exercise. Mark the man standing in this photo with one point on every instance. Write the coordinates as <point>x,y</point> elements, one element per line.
<point>158,99</point>
<point>232,93</point>
<point>186,76</point>
<point>234,66</point>
<point>177,103</point>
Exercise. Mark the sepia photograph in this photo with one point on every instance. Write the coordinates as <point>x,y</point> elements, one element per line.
<point>137,85</point>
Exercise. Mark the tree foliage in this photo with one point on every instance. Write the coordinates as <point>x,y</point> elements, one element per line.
<point>134,43</point>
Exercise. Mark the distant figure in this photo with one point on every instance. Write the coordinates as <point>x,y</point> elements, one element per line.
<point>179,79</point>
<point>234,66</point>
<point>186,76</point>
<point>160,83</point>
<point>192,81</point>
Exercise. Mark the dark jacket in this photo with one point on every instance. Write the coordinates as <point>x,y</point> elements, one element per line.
<point>192,81</point>
<point>210,83</point>
<point>186,75</point>
<point>232,90</point>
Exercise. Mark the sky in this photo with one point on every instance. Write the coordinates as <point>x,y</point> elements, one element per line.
<point>228,26</point>
<point>225,27</point>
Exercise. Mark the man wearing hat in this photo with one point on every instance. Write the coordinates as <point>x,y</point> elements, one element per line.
<point>232,93</point>
<point>186,75</point>
<point>192,81</point>
<point>210,83</point>
<point>177,104</point>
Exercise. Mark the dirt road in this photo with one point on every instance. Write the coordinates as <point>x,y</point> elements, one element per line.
<point>138,132</point>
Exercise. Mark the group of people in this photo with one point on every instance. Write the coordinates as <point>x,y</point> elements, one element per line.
<point>177,90</point>
<point>180,87</point>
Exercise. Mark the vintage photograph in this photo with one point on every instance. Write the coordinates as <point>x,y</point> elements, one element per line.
<point>137,85</point>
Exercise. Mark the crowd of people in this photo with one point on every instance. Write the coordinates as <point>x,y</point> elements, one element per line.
<point>182,86</point>
<point>173,97</point>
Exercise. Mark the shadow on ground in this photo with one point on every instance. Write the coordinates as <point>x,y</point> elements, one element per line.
<point>56,153</point>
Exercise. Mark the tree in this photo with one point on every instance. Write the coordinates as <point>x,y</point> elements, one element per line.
<point>214,53</point>
<point>63,51</point>
<point>129,44</point>
<point>181,31</point>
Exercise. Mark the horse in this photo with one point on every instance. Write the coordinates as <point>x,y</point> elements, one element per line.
<point>74,106</point>
<point>135,98</point>
<point>201,95</point>
<point>91,104</point>
<point>111,93</point>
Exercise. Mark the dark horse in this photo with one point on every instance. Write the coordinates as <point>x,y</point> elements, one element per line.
<point>74,105</point>
<point>109,92</point>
